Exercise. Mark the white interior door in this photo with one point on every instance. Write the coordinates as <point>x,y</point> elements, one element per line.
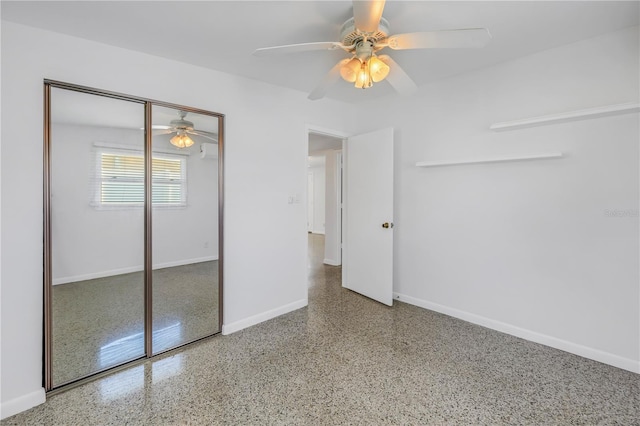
<point>368,205</point>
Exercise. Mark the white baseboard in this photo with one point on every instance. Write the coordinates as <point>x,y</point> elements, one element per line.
<point>94,275</point>
<point>22,403</point>
<point>264,316</point>
<point>128,270</point>
<point>332,262</point>
<point>574,348</point>
<point>184,262</point>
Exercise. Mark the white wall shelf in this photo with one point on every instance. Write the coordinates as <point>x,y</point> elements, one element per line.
<point>582,114</point>
<point>489,160</point>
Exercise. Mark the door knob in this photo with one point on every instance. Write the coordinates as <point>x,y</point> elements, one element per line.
<point>387,225</point>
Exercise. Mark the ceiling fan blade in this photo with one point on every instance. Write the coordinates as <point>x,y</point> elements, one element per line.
<point>447,39</point>
<point>367,14</point>
<point>296,48</point>
<point>328,81</point>
<point>397,78</point>
<point>202,133</point>
<point>163,131</point>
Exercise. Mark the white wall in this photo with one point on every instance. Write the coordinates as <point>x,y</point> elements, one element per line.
<point>189,235</point>
<point>266,126</point>
<point>333,212</point>
<point>318,225</point>
<point>525,247</point>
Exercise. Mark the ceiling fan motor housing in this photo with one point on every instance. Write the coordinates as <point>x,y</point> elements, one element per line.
<point>351,36</point>
<point>181,123</point>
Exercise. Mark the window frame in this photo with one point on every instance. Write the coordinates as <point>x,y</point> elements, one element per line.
<point>127,151</point>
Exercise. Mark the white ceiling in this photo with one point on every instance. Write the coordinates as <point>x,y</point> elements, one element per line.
<point>70,107</point>
<point>221,35</point>
<point>319,142</point>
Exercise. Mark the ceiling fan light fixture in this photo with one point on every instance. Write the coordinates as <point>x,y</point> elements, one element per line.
<point>378,69</point>
<point>366,34</point>
<point>350,70</point>
<point>181,140</point>
<point>363,79</point>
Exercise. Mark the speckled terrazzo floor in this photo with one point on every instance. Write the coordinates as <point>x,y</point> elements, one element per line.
<point>348,360</point>
<point>99,323</point>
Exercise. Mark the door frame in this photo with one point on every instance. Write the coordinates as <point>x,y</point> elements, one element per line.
<point>339,207</point>
<point>338,134</point>
<point>310,201</point>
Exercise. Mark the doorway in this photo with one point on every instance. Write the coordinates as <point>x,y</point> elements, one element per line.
<point>324,202</point>
<point>360,240</point>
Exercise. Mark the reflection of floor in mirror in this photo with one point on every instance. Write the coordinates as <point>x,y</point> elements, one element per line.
<point>99,323</point>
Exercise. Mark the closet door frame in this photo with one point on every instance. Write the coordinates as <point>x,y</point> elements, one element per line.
<point>48,384</point>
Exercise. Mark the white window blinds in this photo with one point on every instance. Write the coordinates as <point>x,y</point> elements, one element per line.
<point>168,181</point>
<point>121,180</point>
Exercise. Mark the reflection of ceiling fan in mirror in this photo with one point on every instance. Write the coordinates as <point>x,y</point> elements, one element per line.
<point>183,128</point>
<point>364,35</point>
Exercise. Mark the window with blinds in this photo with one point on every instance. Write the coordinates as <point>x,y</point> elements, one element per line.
<point>121,180</point>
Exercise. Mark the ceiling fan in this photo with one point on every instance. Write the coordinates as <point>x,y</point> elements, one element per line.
<point>364,35</point>
<point>183,128</point>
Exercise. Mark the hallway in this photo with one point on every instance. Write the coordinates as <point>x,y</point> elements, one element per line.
<point>321,275</point>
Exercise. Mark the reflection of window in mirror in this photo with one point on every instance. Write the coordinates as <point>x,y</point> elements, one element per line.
<point>119,179</point>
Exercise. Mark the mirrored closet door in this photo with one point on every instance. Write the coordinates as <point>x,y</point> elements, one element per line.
<point>96,153</point>
<point>185,226</point>
<point>132,229</point>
